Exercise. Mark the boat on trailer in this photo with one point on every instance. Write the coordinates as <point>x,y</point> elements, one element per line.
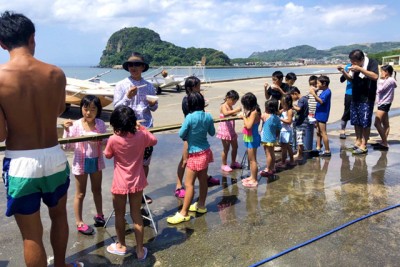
<point>76,89</point>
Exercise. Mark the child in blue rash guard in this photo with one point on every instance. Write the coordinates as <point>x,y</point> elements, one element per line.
<point>322,113</point>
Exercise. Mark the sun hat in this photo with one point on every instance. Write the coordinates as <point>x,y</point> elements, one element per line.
<point>135,59</point>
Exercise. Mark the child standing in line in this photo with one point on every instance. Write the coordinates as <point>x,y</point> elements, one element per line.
<point>301,121</point>
<point>127,146</point>
<point>312,103</point>
<point>194,129</point>
<point>88,160</point>
<point>286,134</point>
<point>251,136</point>
<point>322,113</point>
<point>226,131</point>
<point>270,129</point>
<point>192,84</point>
<point>385,95</point>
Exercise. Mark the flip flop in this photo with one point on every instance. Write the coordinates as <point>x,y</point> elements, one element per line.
<point>144,255</point>
<point>381,147</point>
<point>114,250</point>
<point>252,184</point>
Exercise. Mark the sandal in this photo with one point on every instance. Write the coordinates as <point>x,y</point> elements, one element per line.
<point>265,173</point>
<point>194,207</point>
<point>381,147</point>
<point>178,218</point>
<point>236,165</point>
<point>180,192</point>
<point>149,200</point>
<point>144,255</point>
<point>113,249</point>
<point>212,181</point>
<point>226,168</point>
<point>360,151</point>
<point>280,165</point>
<point>85,229</point>
<point>99,220</point>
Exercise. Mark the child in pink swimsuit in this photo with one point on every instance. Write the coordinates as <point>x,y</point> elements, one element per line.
<point>226,131</point>
<point>127,146</point>
<point>88,160</point>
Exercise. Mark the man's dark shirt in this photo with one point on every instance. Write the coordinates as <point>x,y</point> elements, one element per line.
<point>364,90</point>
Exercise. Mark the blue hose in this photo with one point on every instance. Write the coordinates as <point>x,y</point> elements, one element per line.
<point>323,235</point>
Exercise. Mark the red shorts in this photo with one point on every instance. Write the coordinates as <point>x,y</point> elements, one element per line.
<point>199,161</point>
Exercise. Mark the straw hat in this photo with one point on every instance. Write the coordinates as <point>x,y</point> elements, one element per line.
<point>135,59</point>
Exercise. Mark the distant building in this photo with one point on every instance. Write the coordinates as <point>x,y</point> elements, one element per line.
<point>391,60</point>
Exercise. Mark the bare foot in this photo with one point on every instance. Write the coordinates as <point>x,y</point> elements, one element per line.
<point>250,183</point>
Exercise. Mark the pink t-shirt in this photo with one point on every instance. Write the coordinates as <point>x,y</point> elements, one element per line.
<point>128,154</point>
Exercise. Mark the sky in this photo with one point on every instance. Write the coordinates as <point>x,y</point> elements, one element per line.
<point>75,32</point>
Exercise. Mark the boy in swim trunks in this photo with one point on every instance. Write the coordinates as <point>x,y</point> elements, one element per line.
<point>34,167</point>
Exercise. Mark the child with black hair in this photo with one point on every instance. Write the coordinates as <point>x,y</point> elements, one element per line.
<point>322,113</point>
<point>286,134</point>
<point>270,130</point>
<point>88,159</point>
<point>192,85</point>
<point>251,136</point>
<point>312,103</point>
<point>194,129</point>
<point>278,88</point>
<point>127,146</point>
<point>290,79</point>
<point>384,99</point>
<point>226,131</point>
<point>301,120</point>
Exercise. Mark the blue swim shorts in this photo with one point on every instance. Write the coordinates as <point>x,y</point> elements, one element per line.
<point>91,165</point>
<point>361,113</point>
<point>32,175</point>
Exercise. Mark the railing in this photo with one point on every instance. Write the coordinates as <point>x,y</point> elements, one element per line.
<point>99,137</point>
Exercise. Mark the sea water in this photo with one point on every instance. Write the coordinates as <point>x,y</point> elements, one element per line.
<point>211,74</point>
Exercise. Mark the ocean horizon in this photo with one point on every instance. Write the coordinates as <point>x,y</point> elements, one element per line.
<point>210,74</point>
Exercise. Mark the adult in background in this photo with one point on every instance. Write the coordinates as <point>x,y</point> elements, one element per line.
<point>32,96</point>
<point>347,101</point>
<point>363,75</point>
<point>132,92</point>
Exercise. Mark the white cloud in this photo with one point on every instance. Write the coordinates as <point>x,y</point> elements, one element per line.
<point>236,27</point>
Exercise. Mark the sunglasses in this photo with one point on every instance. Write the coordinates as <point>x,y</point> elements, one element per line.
<point>135,64</point>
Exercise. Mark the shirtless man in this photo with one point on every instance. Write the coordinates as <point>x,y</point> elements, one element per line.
<point>32,95</point>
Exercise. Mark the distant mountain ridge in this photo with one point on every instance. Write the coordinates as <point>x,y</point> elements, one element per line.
<point>306,51</point>
<point>122,43</point>
<point>157,52</point>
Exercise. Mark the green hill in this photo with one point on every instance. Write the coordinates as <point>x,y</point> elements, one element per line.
<point>161,53</point>
<point>306,51</point>
<point>156,51</point>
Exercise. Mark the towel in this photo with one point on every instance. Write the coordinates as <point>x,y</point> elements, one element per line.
<point>365,65</point>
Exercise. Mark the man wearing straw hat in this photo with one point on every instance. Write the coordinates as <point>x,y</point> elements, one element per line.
<point>133,92</point>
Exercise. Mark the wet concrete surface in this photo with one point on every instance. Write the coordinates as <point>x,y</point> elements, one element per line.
<point>244,226</point>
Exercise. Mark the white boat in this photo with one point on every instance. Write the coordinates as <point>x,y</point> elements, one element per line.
<point>76,89</point>
<point>174,77</point>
